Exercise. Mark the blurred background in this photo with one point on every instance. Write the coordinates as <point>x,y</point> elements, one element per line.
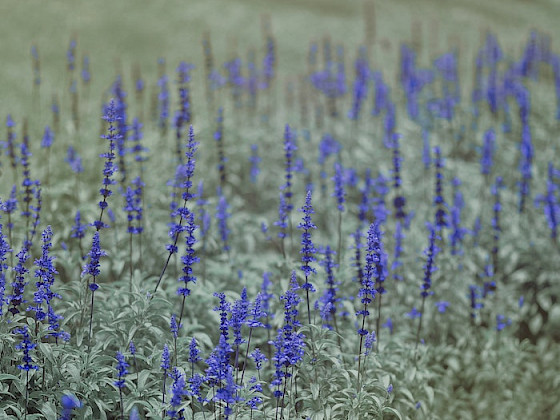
<point>119,34</point>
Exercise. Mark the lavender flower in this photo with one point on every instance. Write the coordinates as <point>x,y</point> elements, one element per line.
<point>194,352</point>
<point>48,138</point>
<point>399,236</point>
<point>360,84</point>
<point>339,192</point>
<point>327,147</point>
<point>36,215</point>
<point>235,80</point>
<point>135,137</point>
<point>10,143</point>
<point>18,286</point>
<point>357,260</point>
<point>218,363</point>
<point>165,365</point>
<point>132,209</point>
<point>219,137</point>
<point>370,338</point>
<point>430,267</point>
<point>163,102</point>
<point>442,306</point>
<point>258,357</point>
<point>4,249</point>
<point>307,248</point>
<point>174,327</point>
<point>219,374</point>
<point>414,313</point>
<point>289,149</point>
<point>282,221</point>
<point>526,148</point>
<point>177,392</point>
<point>458,232</point>
<point>549,201</point>
<point>269,61</point>
<point>165,358</point>
<point>8,207</point>
<point>289,343</point>
<point>496,228</point>
<point>74,160</point>
<point>92,268</point>
<point>55,109</point>
<point>86,75</point>
<point>228,393</point>
<point>27,183</point>
<point>239,313</point>
<point>439,202</point>
<point>372,271</point>
<point>26,346</point>
<point>381,98</point>
<point>502,322</point>
<point>189,258</point>
<point>78,229</point>
<point>184,113</point>
<point>45,274</point>
<point>69,402</point>
<point>224,307</point>
<point>399,202</point>
<point>134,414</point>
<point>71,55</point>
<point>185,173</point>
<point>426,158</point>
<point>329,299</point>
<point>389,325</point>
<point>109,169</point>
<point>121,370</point>
<point>222,215</point>
<point>121,125</point>
<point>488,148</point>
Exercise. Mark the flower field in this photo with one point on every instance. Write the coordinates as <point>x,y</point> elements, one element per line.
<point>280,210</point>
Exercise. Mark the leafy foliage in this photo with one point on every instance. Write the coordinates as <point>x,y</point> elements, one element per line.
<point>489,314</point>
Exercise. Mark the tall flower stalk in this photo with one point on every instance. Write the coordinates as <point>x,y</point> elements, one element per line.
<point>439,201</point>
<point>289,149</point>
<point>120,382</point>
<point>222,216</point>
<point>496,228</point>
<point>92,269</point>
<point>429,269</point>
<point>26,346</point>
<point>188,260</point>
<point>289,346</point>
<point>177,228</point>
<point>307,249</point>
<point>18,286</point>
<point>549,202</point>
<point>219,137</point>
<point>372,271</point>
<point>4,249</point>
<point>113,137</point>
<point>340,195</point>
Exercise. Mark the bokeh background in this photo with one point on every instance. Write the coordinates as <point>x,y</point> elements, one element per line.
<point>127,32</point>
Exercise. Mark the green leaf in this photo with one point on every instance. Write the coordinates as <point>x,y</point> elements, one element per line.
<point>390,414</point>
<point>535,324</point>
